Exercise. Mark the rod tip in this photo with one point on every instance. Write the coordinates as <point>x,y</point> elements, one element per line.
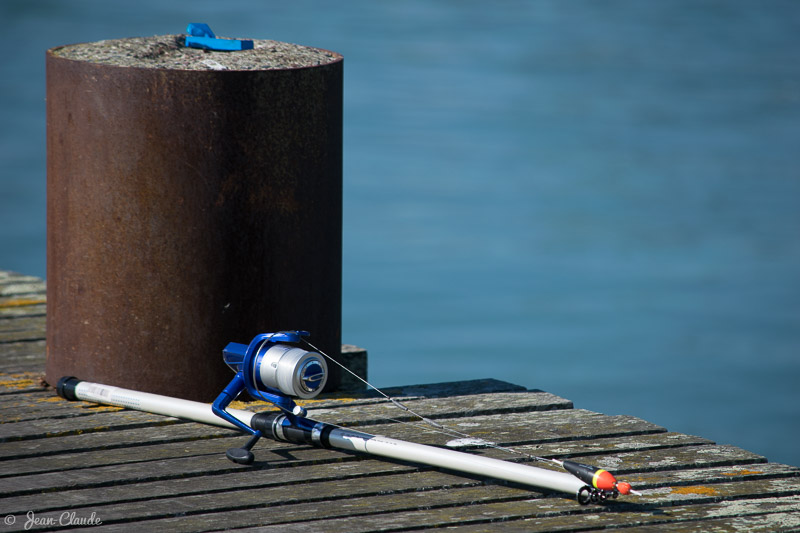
<point>624,488</point>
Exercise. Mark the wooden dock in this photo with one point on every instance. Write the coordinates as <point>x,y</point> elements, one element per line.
<point>75,465</point>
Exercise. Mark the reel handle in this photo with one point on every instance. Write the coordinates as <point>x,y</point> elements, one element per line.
<point>243,455</point>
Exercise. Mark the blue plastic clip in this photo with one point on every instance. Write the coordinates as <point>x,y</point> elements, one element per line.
<point>201,36</point>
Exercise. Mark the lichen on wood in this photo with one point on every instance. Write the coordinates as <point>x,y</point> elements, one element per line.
<point>169,52</point>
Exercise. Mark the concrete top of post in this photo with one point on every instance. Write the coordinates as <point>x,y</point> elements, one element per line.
<point>170,52</point>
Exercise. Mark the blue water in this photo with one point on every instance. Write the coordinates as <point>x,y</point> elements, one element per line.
<point>600,199</point>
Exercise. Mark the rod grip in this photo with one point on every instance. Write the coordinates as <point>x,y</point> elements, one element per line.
<point>266,424</point>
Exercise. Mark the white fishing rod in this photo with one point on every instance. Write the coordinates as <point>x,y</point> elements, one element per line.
<point>274,369</point>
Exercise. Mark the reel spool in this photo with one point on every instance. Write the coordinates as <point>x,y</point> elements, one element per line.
<point>272,371</point>
<point>271,367</point>
<point>276,372</point>
<point>293,371</point>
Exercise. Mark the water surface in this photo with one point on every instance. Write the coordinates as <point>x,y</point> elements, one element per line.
<point>597,199</point>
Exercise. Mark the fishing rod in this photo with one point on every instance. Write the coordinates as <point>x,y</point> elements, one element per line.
<point>275,369</point>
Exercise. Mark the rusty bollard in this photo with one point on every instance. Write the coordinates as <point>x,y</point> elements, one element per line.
<point>194,198</point>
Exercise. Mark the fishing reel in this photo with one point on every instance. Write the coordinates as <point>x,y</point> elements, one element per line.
<point>270,369</point>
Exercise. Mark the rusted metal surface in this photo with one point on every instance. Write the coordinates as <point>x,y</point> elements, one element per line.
<point>187,209</point>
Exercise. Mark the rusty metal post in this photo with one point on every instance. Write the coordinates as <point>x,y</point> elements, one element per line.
<point>186,209</point>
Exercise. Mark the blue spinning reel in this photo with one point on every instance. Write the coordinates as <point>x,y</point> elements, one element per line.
<point>273,370</point>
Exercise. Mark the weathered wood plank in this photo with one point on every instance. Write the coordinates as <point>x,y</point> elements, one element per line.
<point>184,442</point>
<point>767,514</point>
<point>320,493</point>
<point>308,475</point>
<point>306,479</point>
<point>669,459</point>
<point>102,421</point>
<point>253,507</point>
<point>711,474</point>
<point>169,439</point>
<point>23,307</point>
<point>436,507</point>
<point>359,408</point>
<point>534,427</point>
<point>102,441</point>
<point>91,429</point>
<point>22,328</point>
<point>351,415</point>
<point>36,405</point>
<point>9,276</point>
<point>451,407</point>
<point>22,357</point>
<point>18,383</point>
<point>748,519</point>
<point>139,435</point>
<point>11,382</point>
<point>361,487</point>
<point>279,455</point>
<point>22,285</point>
<point>315,466</point>
<point>551,514</point>
<point>287,460</point>
<point>452,388</point>
<point>173,467</point>
<point>346,411</point>
<point>18,295</point>
<point>324,494</point>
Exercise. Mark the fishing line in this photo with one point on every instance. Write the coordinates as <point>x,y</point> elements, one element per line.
<point>588,473</point>
<point>437,427</point>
